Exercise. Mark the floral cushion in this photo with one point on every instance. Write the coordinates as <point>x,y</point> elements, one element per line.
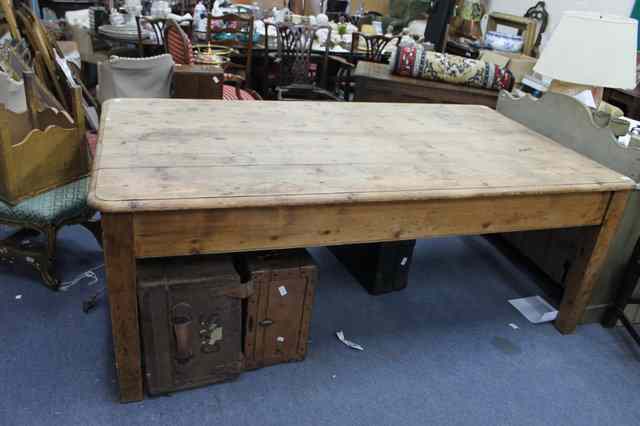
<point>52,207</point>
<point>417,62</point>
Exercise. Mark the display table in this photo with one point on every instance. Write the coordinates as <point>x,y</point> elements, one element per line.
<point>375,83</point>
<point>183,177</point>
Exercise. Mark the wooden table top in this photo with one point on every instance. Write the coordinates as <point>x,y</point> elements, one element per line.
<point>172,154</point>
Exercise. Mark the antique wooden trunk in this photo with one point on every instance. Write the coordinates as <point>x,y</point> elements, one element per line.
<point>198,82</point>
<point>191,321</point>
<point>278,313</point>
<point>378,267</point>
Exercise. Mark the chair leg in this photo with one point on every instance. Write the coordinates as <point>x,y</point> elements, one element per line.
<point>45,264</point>
<point>47,272</point>
<point>17,246</point>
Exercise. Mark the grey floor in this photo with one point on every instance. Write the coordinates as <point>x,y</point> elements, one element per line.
<point>439,353</point>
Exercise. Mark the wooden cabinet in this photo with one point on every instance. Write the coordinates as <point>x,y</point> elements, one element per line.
<point>197,82</point>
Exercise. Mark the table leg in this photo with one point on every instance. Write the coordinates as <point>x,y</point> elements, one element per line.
<point>120,266</point>
<point>583,275</point>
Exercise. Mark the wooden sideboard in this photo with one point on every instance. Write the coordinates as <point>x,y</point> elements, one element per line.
<point>375,83</point>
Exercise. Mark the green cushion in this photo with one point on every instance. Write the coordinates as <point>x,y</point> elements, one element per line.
<point>51,207</point>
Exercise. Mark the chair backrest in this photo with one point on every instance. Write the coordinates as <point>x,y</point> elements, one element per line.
<point>368,18</point>
<point>135,77</point>
<point>270,41</point>
<point>177,43</point>
<point>374,46</point>
<point>234,31</point>
<point>150,27</point>
<point>295,49</point>
<point>231,30</point>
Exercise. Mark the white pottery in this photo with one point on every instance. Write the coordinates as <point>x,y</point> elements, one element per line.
<point>116,18</point>
<point>322,19</point>
<point>504,42</point>
<point>160,9</point>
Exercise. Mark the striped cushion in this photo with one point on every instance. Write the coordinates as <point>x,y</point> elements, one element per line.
<point>179,46</point>
<point>229,93</point>
<point>92,141</point>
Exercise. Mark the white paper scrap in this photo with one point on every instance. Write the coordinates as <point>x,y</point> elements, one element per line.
<point>349,343</point>
<point>282,290</point>
<point>404,261</point>
<point>18,296</point>
<point>535,309</point>
<point>512,325</point>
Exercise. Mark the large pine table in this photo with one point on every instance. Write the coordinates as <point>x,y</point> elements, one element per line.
<point>182,177</point>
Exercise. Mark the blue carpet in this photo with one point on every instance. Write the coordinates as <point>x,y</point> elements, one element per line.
<point>439,353</point>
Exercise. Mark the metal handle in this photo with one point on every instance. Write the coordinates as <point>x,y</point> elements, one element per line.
<point>182,330</point>
<point>265,322</point>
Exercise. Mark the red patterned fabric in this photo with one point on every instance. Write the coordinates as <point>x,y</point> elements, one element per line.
<point>229,93</point>
<point>179,46</point>
<point>92,142</point>
<point>417,62</point>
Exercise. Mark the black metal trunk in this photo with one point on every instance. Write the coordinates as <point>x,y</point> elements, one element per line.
<point>379,267</point>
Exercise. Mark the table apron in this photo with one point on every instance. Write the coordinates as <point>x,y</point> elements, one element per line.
<point>188,232</point>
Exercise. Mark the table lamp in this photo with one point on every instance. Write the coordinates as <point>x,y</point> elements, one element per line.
<point>589,51</point>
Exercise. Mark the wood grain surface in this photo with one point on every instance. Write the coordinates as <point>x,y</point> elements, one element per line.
<point>120,267</point>
<point>167,154</point>
<point>260,228</point>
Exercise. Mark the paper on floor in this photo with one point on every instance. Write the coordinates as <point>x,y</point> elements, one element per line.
<point>349,343</point>
<point>535,309</point>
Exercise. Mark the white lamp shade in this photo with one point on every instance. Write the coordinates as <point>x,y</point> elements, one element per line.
<point>593,50</point>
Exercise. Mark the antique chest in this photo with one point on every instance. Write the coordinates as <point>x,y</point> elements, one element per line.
<point>197,82</point>
<point>379,267</point>
<point>278,312</point>
<point>191,321</point>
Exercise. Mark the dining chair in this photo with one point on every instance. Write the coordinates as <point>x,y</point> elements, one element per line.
<point>150,27</point>
<point>269,60</point>
<point>179,46</point>
<point>302,73</point>
<point>149,77</point>
<point>177,43</point>
<point>370,48</point>
<point>236,32</point>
